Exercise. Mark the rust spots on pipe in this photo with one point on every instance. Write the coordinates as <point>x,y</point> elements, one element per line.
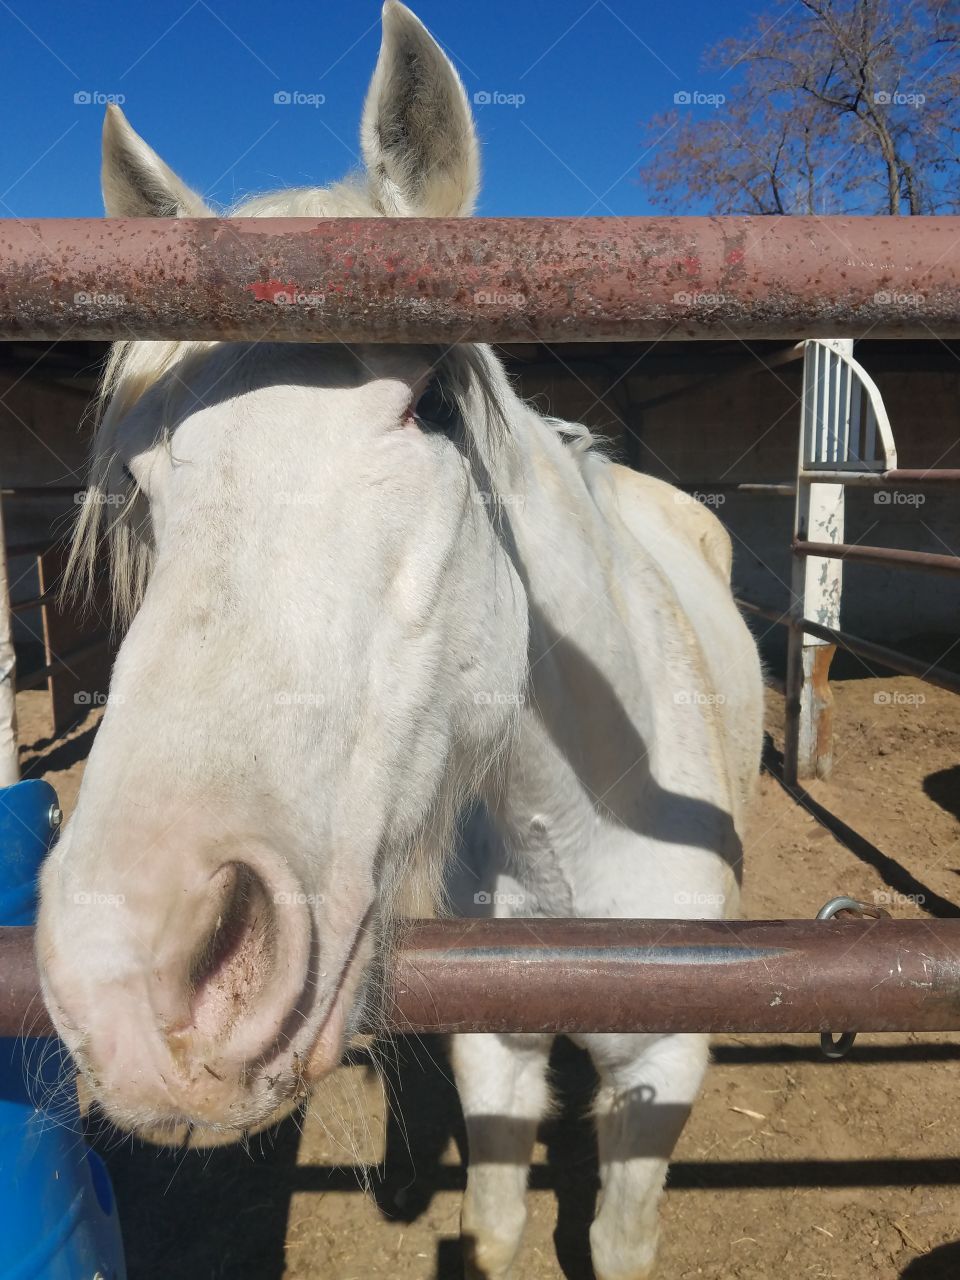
<point>479,279</point>
<point>892,557</point>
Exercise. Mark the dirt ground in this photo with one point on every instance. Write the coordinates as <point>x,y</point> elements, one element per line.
<point>791,1166</point>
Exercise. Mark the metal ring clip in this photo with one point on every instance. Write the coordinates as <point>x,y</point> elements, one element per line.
<point>831,1046</point>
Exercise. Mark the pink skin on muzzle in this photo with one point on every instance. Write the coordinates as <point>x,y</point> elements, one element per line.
<point>228,1010</point>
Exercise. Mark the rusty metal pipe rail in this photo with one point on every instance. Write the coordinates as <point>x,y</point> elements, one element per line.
<point>33,602</point>
<point>35,548</point>
<point>40,492</point>
<point>785,489</point>
<point>780,616</point>
<point>892,659</point>
<point>479,279</point>
<point>636,975</point>
<point>34,678</point>
<point>908,477</point>
<point>904,477</point>
<point>891,557</point>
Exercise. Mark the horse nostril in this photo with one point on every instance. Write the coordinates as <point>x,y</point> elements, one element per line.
<point>234,961</point>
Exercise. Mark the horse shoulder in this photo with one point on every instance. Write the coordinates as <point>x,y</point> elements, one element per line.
<point>681,513</point>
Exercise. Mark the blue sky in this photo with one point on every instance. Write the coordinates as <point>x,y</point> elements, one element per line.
<point>198,79</point>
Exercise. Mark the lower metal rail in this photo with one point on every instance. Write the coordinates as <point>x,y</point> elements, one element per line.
<point>556,976</point>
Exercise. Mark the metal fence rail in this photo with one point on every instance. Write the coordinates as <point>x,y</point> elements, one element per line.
<point>890,659</point>
<point>556,280</point>
<point>636,975</point>
<point>479,279</point>
<point>891,557</point>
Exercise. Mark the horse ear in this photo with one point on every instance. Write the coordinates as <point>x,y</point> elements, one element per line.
<point>417,134</point>
<point>136,182</point>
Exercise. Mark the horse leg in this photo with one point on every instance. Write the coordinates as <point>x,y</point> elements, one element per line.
<point>647,1087</point>
<point>502,1081</point>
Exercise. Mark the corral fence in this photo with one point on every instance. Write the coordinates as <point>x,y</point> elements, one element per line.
<point>824,282</point>
<point>70,639</point>
<point>846,440</point>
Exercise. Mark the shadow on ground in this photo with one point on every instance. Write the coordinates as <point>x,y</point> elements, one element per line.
<point>943,788</point>
<point>942,1263</point>
<point>222,1212</point>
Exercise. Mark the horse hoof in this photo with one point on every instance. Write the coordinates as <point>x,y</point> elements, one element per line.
<point>628,1273</point>
<point>487,1259</point>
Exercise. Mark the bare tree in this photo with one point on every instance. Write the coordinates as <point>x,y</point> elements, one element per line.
<point>833,106</point>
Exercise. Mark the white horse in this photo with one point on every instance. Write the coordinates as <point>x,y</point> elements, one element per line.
<point>373,591</point>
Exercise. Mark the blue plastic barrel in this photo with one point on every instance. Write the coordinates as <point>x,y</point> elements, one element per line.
<point>58,1217</point>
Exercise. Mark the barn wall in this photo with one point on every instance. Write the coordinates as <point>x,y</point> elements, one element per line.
<point>45,399</point>
<point>43,444</point>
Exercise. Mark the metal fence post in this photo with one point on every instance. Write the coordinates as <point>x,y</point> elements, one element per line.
<point>816,582</point>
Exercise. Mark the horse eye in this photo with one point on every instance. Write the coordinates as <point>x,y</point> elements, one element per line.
<point>436,411</point>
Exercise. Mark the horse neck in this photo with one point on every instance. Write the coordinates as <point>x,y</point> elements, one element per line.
<point>561,538</point>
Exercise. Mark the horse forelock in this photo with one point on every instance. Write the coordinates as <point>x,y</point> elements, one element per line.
<point>472,374</point>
